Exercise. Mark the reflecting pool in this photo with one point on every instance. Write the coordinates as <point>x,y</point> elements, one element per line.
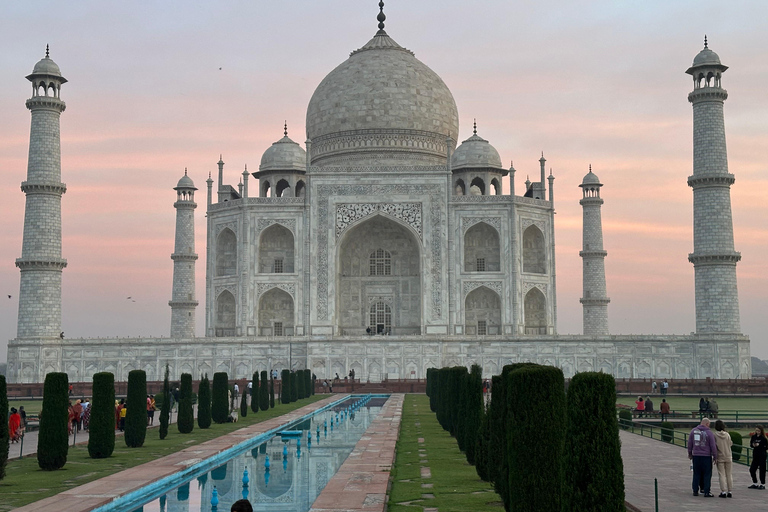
<point>285,473</point>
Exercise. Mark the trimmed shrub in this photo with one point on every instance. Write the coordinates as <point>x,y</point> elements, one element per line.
<point>136,416</point>
<point>431,388</point>
<point>497,435</point>
<point>460,405</point>
<point>101,429</point>
<point>300,392</point>
<point>53,437</point>
<point>294,387</point>
<point>737,446</point>
<point>482,446</point>
<point>204,402</point>
<point>186,419</point>
<point>244,405</point>
<point>4,428</point>
<point>625,419</point>
<point>272,393</point>
<point>595,476</point>
<point>307,383</point>
<point>473,411</point>
<point>255,392</point>
<point>667,431</point>
<point>285,386</point>
<point>165,406</point>
<point>536,437</point>
<point>219,398</point>
<point>263,399</point>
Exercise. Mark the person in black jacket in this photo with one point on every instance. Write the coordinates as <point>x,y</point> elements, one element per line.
<point>759,445</point>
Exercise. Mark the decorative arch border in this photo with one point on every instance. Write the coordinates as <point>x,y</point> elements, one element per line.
<point>232,226</point>
<point>541,286</point>
<point>351,214</point>
<point>468,222</point>
<point>266,223</point>
<point>540,224</point>
<point>470,286</point>
<point>231,288</point>
<point>263,288</point>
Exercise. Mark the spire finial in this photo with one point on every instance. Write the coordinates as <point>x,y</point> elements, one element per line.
<point>590,167</point>
<point>185,171</point>
<point>550,172</point>
<point>705,41</point>
<point>285,128</point>
<point>46,51</point>
<point>474,127</point>
<point>381,17</point>
<point>209,174</point>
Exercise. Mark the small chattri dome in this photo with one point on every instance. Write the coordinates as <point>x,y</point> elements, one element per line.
<point>284,155</point>
<point>706,57</point>
<point>185,182</point>
<point>46,66</point>
<point>591,178</point>
<point>474,153</point>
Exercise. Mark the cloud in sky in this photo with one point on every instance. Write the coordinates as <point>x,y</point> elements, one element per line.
<point>588,82</point>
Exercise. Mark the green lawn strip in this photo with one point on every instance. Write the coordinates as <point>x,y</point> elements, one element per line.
<point>31,406</point>
<point>456,486</point>
<point>687,404</point>
<point>26,483</point>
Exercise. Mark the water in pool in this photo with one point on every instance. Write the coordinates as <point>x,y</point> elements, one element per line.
<point>300,465</point>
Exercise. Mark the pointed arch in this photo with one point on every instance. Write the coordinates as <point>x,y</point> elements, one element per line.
<point>535,312</point>
<point>226,253</point>
<point>283,189</point>
<point>482,312</point>
<point>460,189</point>
<point>266,189</point>
<point>534,251</point>
<point>300,188</point>
<point>482,249</point>
<point>477,187</point>
<point>276,250</point>
<point>496,186</point>
<point>276,313</point>
<point>225,314</point>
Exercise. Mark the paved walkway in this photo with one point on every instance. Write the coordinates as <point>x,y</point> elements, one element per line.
<point>646,459</point>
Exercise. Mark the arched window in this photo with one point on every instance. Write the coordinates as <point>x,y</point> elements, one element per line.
<point>482,251</point>
<point>300,188</point>
<point>266,189</point>
<point>283,189</point>
<point>380,263</point>
<point>496,187</point>
<point>460,189</point>
<point>226,253</point>
<point>534,254</point>
<point>535,312</point>
<point>225,314</point>
<point>477,187</point>
<point>381,318</point>
<point>276,250</point>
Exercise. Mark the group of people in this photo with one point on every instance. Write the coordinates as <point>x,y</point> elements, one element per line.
<point>645,406</point>
<point>17,424</point>
<point>708,407</point>
<point>79,415</point>
<point>664,387</point>
<point>707,449</point>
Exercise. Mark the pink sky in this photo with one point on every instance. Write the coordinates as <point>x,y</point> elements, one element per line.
<point>587,82</point>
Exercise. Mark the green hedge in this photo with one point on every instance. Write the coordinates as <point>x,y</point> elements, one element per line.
<point>285,386</point>
<point>625,419</point>
<point>536,437</point>
<point>219,398</point>
<point>272,393</point>
<point>136,416</point>
<point>263,398</point>
<point>186,419</point>
<point>482,446</point>
<point>101,428</point>
<point>294,387</point>
<point>667,431</point>
<point>255,392</point>
<point>165,406</point>
<point>53,437</point>
<point>204,402</point>
<point>4,429</point>
<point>594,479</point>
<point>300,382</point>
<point>473,413</point>
<point>737,446</point>
<point>308,387</point>
<point>244,403</point>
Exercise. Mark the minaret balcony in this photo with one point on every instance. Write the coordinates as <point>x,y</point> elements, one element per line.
<point>725,257</point>
<point>184,256</point>
<point>183,303</point>
<point>707,94</point>
<point>593,254</point>
<point>595,301</point>
<point>51,264</point>
<point>702,180</point>
<point>55,189</point>
<point>46,102</point>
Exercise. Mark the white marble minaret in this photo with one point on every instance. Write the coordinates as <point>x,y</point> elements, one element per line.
<point>183,303</point>
<point>41,263</point>
<point>595,302</point>
<point>714,258</point>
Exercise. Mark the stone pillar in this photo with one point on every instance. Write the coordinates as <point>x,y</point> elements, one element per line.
<point>183,301</point>
<point>41,263</point>
<point>595,301</point>
<point>714,258</point>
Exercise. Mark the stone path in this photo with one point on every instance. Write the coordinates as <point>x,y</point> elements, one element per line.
<point>646,459</point>
<point>362,480</point>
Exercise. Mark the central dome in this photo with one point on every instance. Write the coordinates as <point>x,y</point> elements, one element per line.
<point>382,106</point>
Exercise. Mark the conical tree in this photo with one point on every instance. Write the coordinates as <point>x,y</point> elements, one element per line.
<point>165,407</point>
<point>244,405</point>
<point>4,432</point>
<point>285,386</point>
<point>594,479</point>
<point>186,420</point>
<point>256,392</point>
<point>294,387</point>
<point>219,398</point>
<point>204,402</point>
<point>53,437</point>
<point>136,403</point>
<point>473,414</point>
<point>101,429</point>
<point>263,391</point>
<point>272,393</point>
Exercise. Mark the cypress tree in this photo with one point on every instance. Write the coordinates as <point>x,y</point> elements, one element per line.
<point>272,393</point>
<point>482,447</point>
<point>536,437</point>
<point>294,387</point>
<point>4,431</point>
<point>136,416</point>
<point>244,405</point>
<point>461,405</point>
<point>186,419</point>
<point>53,437</point>
<point>165,407</point>
<point>473,413</point>
<point>264,392</point>
<point>256,392</point>
<point>219,398</point>
<point>285,386</point>
<point>101,429</point>
<point>431,374</point>
<point>204,402</point>
<point>299,376</point>
<point>497,436</point>
<point>308,388</point>
<point>595,476</point>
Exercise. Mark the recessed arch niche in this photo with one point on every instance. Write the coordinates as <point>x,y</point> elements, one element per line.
<point>226,253</point>
<point>225,314</point>
<point>482,312</point>
<point>535,312</point>
<point>534,254</point>
<point>482,250</point>
<point>276,311</point>
<point>276,250</point>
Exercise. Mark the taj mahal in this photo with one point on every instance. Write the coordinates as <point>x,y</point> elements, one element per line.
<point>381,245</point>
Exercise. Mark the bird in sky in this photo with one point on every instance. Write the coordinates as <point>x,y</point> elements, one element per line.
<point>9,296</point>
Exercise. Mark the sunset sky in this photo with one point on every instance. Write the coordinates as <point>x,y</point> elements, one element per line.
<point>155,87</point>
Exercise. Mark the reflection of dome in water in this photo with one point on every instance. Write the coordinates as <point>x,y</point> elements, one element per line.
<point>280,480</point>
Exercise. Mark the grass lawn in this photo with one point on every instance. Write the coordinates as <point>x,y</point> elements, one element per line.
<point>31,406</point>
<point>687,404</point>
<point>25,482</point>
<point>456,486</point>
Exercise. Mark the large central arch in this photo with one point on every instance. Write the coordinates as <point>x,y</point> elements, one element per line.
<point>379,262</point>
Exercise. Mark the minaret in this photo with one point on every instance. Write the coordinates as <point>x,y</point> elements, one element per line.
<point>183,303</point>
<point>595,302</point>
<point>713,257</point>
<point>41,263</point>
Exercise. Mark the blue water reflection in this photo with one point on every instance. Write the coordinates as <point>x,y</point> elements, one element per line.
<point>299,467</point>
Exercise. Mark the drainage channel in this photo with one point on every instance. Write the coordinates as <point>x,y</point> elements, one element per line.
<point>287,466</point>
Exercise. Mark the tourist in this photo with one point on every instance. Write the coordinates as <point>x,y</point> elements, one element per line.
<point>14,426</point>
<point>759,445</point>
<point>653,388</point>
<point>151,410</point>
<point>274,374</point>
<point>236,389</point>
<point>664,387</point>
<point>23,415</point>
<point>639,406</point>
<point>325,386</point>
<point>86,414</point>
<point>71,421</point>
<point>724,459</point>
<point>648,405</point>
<point>702,405</point>
<point>250,389</point>
<point>77,409</point>
<point>122,411</point>
<point>713,408</point>
<point>664,409</point>
<point>702,451</point>
<point>241,506</point>
<point>175,400</point>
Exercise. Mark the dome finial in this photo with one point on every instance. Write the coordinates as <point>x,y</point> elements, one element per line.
<point>705,41</point>
<point>46,52</point>
<point>474,127</point>
<point>185,171</point>
<point>285,128</point>
<point>381,17</point>
<point>590,167</point>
